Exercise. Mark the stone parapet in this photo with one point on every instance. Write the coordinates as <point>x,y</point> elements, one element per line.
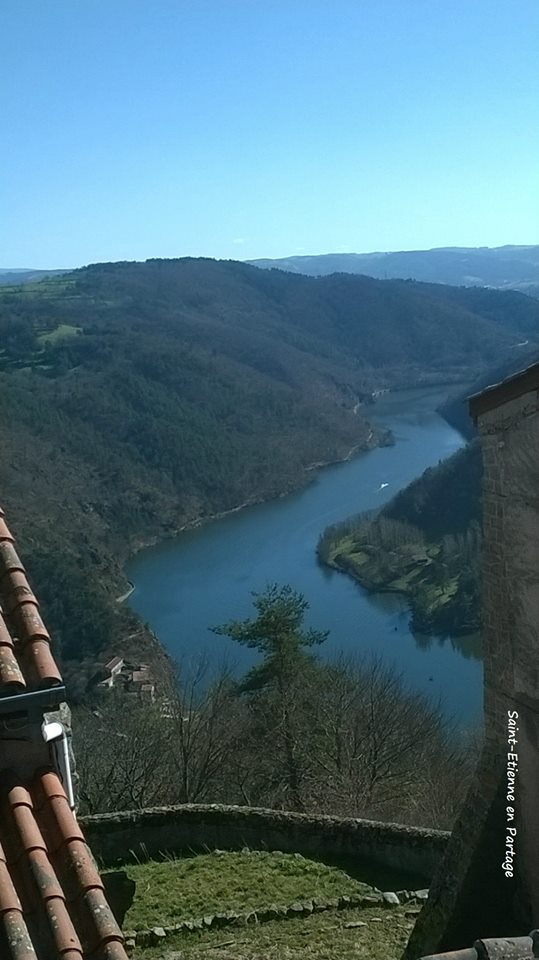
<point>120,837</point>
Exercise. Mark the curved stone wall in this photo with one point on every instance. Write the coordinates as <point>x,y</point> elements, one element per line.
<point>153,832</point>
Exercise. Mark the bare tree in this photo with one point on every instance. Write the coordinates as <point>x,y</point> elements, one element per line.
<point>345,738</point>
<point>204,719</point>
<point>381,749</point>
<point>122,751</point>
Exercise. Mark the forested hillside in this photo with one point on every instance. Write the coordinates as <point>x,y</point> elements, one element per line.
<point>136,398</point>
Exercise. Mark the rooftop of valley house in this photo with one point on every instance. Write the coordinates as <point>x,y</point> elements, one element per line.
<point>52,900</point>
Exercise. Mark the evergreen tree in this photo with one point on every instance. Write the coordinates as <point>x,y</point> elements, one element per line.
<point>278,633</point>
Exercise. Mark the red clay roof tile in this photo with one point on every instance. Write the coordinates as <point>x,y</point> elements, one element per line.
<point>9,900</point>
<point>51,873</point>
<point>4,531</point>
<point>9,558</point>
<point>97,921</point>
<point>17,938</point>
<point>63,932</point>
<point>10,671</point>
<point>52,900</point>
<point>29,624</point>
<point>28,660</point>
<point>5,636</point>
<point>15,588</point>
<point>28,832</point>
<point>78,869</point>
<point>39,664</point>
<point>45,879</point>
<point>46,786</point>
<point>60,824</point>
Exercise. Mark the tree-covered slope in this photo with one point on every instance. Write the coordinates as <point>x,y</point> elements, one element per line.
<point>135,398</point>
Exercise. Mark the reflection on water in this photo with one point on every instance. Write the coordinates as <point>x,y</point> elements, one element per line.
<point>469,646</point>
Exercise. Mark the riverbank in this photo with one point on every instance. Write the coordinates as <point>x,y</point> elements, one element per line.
<point>377,437</point>
<point>425,544</point>
<point>146,644</point>
<point>125,596</point>
<point>414,571</point>
<point>385,439</point>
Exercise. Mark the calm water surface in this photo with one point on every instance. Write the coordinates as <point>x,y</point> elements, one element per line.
<point>204,577</point>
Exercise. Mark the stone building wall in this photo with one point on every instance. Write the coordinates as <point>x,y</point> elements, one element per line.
<point>510,448</point>
<point>472,895</point>
<point>138,834</point>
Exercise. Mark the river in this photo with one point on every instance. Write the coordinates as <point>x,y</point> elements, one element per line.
<point>204,576</point>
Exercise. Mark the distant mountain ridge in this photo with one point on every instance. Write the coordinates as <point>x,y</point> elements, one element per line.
<point>509,267</point>
<point>16,275</point>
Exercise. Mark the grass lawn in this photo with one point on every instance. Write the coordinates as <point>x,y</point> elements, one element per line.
<point>362,934</point>
<point>174,890</point>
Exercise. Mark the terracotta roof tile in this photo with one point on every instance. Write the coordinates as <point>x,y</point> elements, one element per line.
<point>10,672</point>
<point>78,869</point>
<point>52,899</point>
<point>15,588</point>
<point>9,557</point>
<point>39,664</point>
<point>16,938</point>
<point>25,654</point>
<point>4,532</point>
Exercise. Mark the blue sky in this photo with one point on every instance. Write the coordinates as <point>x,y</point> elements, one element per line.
<point>251,128</point>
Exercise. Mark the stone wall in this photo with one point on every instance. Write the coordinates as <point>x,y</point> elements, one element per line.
<point>510,440</point>
<point>122,836</point>
<point>472,895</point>
<point>510,449</point>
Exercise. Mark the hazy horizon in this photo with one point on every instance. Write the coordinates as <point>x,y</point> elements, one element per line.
<point>324,253</point>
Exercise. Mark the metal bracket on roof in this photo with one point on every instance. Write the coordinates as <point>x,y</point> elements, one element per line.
<point>33,704</point>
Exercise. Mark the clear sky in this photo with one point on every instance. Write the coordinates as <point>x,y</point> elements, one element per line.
<point>252,128</point>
